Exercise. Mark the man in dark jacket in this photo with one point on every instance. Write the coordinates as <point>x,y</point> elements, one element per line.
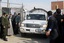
<point>62,39</point>
<point>51,30</point>
<point>58,18</point>
<point>18,20</point>
<point>14,23</point>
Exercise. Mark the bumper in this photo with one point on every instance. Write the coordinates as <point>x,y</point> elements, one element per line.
<point>32,30</point>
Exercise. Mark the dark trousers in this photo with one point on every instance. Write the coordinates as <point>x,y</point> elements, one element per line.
<point>15,28</point>
<point>62,37</point>
<point>0,32</point>
<point>58,39</point>
<point>3,33</point>
<point>52,41</point>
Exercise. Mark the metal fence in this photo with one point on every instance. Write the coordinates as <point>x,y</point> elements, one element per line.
<point>13,7</point>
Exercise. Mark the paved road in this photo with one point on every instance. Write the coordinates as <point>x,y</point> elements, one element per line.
<point>27,39</point>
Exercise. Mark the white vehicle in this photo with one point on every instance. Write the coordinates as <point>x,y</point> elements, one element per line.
<point>35,23</point>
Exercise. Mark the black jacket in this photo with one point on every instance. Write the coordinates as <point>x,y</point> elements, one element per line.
<point>58,18</point>
<point>52,24</point>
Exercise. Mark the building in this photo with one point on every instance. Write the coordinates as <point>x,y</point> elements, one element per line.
<point>57,4</point>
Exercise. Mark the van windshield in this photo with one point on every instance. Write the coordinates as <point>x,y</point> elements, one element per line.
<point>36,17</point>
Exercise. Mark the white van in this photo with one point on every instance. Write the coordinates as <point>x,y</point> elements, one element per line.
<point>35,23</point>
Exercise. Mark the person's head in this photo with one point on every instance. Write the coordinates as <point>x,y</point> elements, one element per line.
<point>4,14</point>
<point>18,13</point>
<point>58,11</point>
<point>10,15</point>
<point>14,13</point>
<point>55,14</point>
<point>7,15</point>
<point>49,13</point>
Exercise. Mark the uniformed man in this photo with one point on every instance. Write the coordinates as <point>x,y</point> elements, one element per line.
<point>5,26</point>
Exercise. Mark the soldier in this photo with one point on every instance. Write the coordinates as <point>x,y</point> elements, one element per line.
<point>5,26</point>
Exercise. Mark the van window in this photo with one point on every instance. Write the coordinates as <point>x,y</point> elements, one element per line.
<point>36,17</point>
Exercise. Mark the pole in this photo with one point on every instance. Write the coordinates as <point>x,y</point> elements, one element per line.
<point>22,13</point>
<point>0,3</point>
<point>8,3</point>
<point>0,9</point>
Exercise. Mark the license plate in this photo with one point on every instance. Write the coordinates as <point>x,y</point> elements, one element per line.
<point>27,29</point>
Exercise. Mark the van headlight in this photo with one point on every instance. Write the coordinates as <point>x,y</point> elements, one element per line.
<point>43,30</point>
<point>22,25</point>
<point>44,26</point>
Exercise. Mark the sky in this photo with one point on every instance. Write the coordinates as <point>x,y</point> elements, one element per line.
<point>30,4</point>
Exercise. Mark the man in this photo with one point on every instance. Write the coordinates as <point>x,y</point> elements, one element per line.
<point>14,23</point>
<point>5,25</point>
<point>51,30</point>
<point>18,20</point>
<point>0,27</point>
<point>58,18</point>
<point>62,37</point>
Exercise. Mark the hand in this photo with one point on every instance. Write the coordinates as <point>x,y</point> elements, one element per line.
<point>16,23</point>
<point>19,24</point>
<point>48,33</point>
<point>3,26</point>
<point>61,20</point>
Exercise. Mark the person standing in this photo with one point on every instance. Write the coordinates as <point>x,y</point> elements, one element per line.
<point>5,26</point>
<point>51,30</point>
<point>7,16</point>
<point>62,37</point>
<point>58,18</point>
<point>17,20</point>
<point>1,27</point>
<point>14,23</point>
<point>10,30</point>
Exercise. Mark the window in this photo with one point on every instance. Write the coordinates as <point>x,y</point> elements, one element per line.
<point>36,17</point>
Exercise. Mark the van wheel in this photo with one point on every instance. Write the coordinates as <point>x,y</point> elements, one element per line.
<point>23,34</point>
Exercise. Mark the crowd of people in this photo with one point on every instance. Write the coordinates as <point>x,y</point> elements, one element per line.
<point>55,28</point>
<point>9,25</point>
